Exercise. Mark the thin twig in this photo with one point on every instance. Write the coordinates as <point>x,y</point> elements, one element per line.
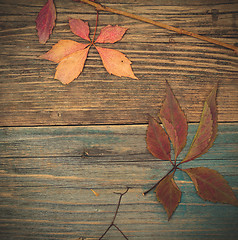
<point>99,7</point>
<point>120,231</point>
<point>154,186</point>
<point>106,231</point>
<point>112,223</point>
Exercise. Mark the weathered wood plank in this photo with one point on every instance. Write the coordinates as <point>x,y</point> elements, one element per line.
<point>75,141</point>
<point>30,96</point>
<point>47,173</point>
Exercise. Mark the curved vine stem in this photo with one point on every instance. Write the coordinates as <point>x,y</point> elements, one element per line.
<point>112,223</point>
<point>99,7</point>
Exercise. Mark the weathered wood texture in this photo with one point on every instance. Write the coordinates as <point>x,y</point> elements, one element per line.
<point>47,173</point>
<point>29,95</point>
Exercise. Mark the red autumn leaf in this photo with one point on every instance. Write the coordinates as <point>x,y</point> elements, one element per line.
<point>71,66</point>
<point>168,193</point>
<point>211,185</point>
<point>111,34</point>
<point>174,121</point>
<point>157,140</point>
<point>211,102</point>
<point>207,129</point>
<point>79,28</point>
<point>45,21</point>
<point>62,49</point>
<point>115,62</point>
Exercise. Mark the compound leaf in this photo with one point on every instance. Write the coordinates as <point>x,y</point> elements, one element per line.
<point>65,52</point>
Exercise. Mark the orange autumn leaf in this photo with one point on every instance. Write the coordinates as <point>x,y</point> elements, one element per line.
<point>174,121</point>
<point>168,194</point>
<point>64,51</point>
<point>211,185</point>
<point>45,21</point>
<point>71,66</point>
<point>116,62</point>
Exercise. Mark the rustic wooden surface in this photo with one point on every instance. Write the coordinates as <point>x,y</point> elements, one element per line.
<point>57,142</point>
<point>31,96</point>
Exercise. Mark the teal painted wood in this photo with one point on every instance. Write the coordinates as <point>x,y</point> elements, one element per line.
<point>47,172</point>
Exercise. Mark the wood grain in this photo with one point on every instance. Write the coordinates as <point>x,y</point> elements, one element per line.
<point>47,173</point>
<point>29,96</point>
<point>49,163</point>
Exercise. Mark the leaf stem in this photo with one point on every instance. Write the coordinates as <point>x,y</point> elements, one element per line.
<point>112,223</point>
<point>96,24</point>
<point>155,185</point>
<point>179,163</point>
<point>99,7</point>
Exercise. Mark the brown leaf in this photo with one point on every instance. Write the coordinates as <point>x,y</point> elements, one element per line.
<point>116,62</point>
<point>168,193</point>
<point>111,34</point>
<point>174,121</point>
<point>211,185</point>
<point>207,129</point>
<point>62,49</point>
<point>158,141</point>
<point>71,66</point>
<point>45,21</point>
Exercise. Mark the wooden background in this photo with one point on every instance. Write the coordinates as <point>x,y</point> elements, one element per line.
<point>58,142</point>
